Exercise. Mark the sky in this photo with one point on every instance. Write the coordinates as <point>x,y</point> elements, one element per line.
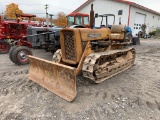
<point>67,6</point>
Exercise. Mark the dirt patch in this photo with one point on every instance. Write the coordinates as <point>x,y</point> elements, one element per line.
<point>133,94</point>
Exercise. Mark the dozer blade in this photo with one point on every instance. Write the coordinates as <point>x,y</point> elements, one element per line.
<point>58,78</point>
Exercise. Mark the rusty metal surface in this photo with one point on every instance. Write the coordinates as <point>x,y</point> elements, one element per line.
<point>59,79</point>
<point>92,17</point>
<point>103,65</point>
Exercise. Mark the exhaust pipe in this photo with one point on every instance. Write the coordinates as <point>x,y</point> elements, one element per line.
<point>51,19</point>
<point>92,17</point>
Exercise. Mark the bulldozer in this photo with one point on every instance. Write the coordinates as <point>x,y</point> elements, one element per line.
<point>98,54</point>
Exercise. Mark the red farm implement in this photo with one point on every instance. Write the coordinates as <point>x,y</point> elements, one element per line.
<point>12,30</point>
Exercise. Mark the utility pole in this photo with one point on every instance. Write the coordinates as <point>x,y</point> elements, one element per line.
<point>46,7</point>
<point>2,16</point>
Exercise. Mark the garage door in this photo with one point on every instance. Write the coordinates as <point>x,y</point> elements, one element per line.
<point>139,20</point>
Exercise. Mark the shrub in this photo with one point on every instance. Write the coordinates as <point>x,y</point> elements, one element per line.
<point>152,33</point>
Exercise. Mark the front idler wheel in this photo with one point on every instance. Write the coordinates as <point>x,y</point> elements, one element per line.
<point>20,55</point>
<point>57,56</point>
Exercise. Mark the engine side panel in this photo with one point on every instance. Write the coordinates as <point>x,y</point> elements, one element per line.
<point>94,34</point>
<point>71,41</point>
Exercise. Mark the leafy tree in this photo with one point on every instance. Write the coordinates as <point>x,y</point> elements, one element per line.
<point>54,21</point>
<point>61,20</point>
<point>12,9</point>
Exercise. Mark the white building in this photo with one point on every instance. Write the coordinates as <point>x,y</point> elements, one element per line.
<point>133,15</point>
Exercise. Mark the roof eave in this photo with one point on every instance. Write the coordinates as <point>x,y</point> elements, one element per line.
<point>145,8</point>
<point>122,1</point>
<point>84,4</point>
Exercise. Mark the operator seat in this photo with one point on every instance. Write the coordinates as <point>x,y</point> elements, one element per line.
<point>117,32</point>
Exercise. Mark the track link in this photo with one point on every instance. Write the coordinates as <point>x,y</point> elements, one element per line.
<point>103,65</point>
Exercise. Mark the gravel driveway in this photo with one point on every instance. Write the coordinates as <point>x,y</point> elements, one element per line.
<point>131,95</point>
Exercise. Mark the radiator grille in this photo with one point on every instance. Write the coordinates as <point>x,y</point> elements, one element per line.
<point>69,46</point>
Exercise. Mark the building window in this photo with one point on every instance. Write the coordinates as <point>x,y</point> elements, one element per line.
<point>120,12</point>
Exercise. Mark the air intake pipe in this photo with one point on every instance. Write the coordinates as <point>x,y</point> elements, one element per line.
<point>51,19</point>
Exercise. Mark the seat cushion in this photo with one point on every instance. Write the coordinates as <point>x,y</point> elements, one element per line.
<point>115,36</point>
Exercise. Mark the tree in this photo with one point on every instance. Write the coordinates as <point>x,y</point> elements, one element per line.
<point>61,20</point>
<point>12,9</point>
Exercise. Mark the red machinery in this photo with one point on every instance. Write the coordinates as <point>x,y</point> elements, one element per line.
<point>13,30</point>
<point>76,18</point>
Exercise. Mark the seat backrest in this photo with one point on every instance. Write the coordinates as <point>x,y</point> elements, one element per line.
<point>117,28</point>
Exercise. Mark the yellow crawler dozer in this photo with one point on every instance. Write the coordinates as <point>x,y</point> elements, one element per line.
<point>98,53</point>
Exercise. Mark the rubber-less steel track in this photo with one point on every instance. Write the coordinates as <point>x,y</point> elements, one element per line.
<point>103,65</point>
